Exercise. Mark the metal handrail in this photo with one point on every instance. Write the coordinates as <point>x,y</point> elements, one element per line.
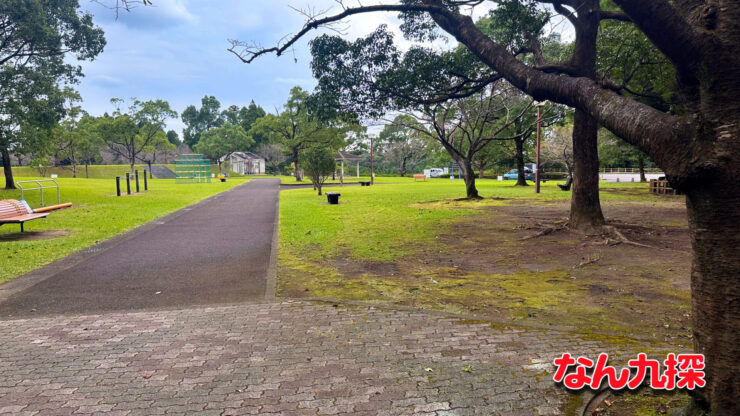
<point>40,188</point>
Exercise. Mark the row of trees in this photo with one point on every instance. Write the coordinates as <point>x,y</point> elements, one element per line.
<point>134,132</point>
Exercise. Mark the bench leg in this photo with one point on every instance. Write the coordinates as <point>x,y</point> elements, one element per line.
<point>21,227</point>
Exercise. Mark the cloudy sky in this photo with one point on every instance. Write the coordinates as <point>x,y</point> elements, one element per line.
<point>176,50</point>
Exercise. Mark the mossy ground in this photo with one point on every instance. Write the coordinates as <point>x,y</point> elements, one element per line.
<point>418,244</point>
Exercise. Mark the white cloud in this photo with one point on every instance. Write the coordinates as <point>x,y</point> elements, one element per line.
<point>162,14</point>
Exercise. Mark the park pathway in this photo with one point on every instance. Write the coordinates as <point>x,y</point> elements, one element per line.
<point>282,358</point>
<point>177,317</point>
<point>217,251</point>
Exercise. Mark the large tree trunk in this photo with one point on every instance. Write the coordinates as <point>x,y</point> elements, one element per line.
<point>402,169</point>
<point>298,175</point>
<point>468,173</point>
<point>74,170</point>
<point>585,207</point>
<point>705,168</point>
<point>641,166</point>
<point>87,172</point>
<point>714,224</point>
<point>521,179</point>
<point>7,169</point>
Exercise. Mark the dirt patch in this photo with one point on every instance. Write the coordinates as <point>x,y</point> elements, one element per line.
<point>485,264</point>
<point>354,269</point>
<point>32,235</point>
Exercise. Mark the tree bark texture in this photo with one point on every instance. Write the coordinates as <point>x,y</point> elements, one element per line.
<point>7,169</point>
<point>521,179</point>
<point>468,174</point>
<point>298,175</point>
<point>585,207</point>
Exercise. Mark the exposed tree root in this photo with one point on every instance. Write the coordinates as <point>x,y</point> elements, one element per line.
<point>611,231</point>
<point>544,229</point>
<point>611,234</point>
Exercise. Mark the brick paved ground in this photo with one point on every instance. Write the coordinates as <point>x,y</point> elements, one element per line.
<point>290,358</point>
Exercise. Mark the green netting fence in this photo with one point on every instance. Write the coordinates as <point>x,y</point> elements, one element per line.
<point>193,169</point>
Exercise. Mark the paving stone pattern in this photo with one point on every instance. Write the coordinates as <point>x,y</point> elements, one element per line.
<point>289,358</point>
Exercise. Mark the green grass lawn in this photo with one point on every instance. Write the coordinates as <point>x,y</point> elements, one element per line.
<point>95,171</point>
<point>290,180</point>
<point>97,215</point>
<point>374,223</point>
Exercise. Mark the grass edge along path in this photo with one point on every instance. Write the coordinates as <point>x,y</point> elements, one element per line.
<point>96,215</point>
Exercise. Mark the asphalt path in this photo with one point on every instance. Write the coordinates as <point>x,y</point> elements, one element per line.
<point>218,251</point>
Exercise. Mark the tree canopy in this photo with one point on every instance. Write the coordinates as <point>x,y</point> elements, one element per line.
<point>37,36</point>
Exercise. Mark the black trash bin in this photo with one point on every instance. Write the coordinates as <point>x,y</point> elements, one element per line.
<point>333,197</point>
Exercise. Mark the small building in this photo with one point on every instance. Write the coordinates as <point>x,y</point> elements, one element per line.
<point>245,163</point>
<point>342,157</point>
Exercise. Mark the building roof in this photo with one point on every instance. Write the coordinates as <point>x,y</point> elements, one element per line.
<point>347,156</point>
<point>243,155</point>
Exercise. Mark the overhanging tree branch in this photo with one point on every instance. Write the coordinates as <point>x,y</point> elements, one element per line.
<point>248,52</point>
<point>640,125</point>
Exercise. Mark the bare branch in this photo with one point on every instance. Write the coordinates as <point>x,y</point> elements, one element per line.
<point>248,52</point>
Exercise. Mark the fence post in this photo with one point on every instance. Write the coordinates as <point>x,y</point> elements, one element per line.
<point>128,183</point>
<point>118,186</point>
<point>146,185</point>
<point>136,174</point>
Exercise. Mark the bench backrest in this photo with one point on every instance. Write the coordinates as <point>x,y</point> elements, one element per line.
<point>13,208</point>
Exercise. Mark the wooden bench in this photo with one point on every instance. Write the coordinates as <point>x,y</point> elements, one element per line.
<point>17,212</point>
<point>662,187</point>
<point>420,176</point>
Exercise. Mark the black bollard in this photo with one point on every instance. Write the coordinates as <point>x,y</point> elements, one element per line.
<point>128,183</point>
<point>136,174</point>
<point>146,185</point>
<point>118,186</point>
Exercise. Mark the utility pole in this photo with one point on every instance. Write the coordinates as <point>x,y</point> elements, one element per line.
<point>539,105</point>
<point>372,170</point>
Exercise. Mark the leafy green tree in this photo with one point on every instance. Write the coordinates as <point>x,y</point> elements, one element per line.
<point>465,127</point>
<point>402,146</point>
<point>198,120</point>
<point>274,154</point>
<point>223,141</point>
<point>77,139</point>
<point>245,117</point>
<point>37,35</point>
<point>136,131</point>
<point>90,143</point>
<point>41,164</point>
<point>173,138</point>
<point>297,128</point>
<point>319,164</point>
